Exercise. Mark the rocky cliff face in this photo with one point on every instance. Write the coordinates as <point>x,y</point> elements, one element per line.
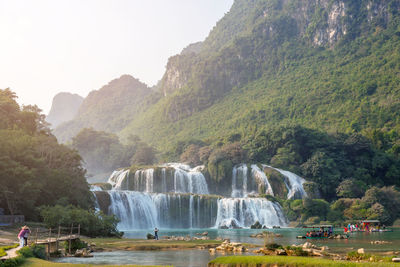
<point>320,23</point>
<point>64,108</point>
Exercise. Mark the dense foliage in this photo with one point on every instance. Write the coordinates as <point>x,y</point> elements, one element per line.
<point>34,169</point>
<point>260,80</point>
<point>103,152</point>
<point>92,223</point>
<point>376,204</point>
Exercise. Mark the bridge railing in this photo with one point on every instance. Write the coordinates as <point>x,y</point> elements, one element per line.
<point>54,235</point>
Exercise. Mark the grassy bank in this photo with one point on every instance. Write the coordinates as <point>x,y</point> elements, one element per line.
<point>110,244</point>
<point>42,263</point>
<point>287,261</point>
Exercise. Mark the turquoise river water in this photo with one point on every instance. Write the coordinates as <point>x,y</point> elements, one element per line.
<point>200,258</point>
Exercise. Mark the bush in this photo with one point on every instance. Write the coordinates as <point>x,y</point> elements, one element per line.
<point>75,244</point>
<point>273,246</point>
<point>92,223</point>
<point>39,251</point>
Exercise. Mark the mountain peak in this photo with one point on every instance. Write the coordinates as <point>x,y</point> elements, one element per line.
<point>64,108</point>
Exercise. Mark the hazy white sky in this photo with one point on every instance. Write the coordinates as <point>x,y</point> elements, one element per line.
<point>51,46</point>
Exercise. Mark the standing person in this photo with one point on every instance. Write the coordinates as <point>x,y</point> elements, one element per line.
<point>156,233</point>
<point>21,237</point>
<point>26,235</point>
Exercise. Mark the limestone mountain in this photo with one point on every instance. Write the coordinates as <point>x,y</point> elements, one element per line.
<point>323,64</point>
<point>64,108</point>
<point>108,109</point>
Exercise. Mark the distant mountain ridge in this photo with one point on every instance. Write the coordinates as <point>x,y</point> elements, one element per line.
<point>63,108</point>
<point>108,109</point>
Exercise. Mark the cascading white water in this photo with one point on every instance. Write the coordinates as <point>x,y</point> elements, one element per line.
<point>140,210</point>
<point>177,207</point>
<point>136,210</point>
<point>262,179</point>
<point>94,188</point>
<point>239,174</point>
<point>295,185</point>
<point>185,180</point>
<point>243,212</point>
<point>188,180</point>
<point>242,185</point>
<point>117,178</point>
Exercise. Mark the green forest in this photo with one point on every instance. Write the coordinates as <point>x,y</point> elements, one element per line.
<point>37,173</point>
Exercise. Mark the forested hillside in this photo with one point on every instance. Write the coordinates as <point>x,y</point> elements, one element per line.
<point>333,66</point>
<point>34,169</point>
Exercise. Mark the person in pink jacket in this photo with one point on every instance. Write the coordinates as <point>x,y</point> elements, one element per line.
<point>21,236</point>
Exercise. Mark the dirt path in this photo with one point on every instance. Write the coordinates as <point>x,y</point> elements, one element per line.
<point>11,253</point>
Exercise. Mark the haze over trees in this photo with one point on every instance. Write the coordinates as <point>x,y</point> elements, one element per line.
<point>34,169</point>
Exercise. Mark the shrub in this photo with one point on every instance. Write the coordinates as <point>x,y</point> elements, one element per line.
<point>75,244</point>
<point>92,223</point>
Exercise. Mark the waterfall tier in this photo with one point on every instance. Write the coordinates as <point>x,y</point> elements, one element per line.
<point>294,184</point>
<point>243,212</point>
<point>175,195</point>
<point>172,177</point>
<point>138,210</point>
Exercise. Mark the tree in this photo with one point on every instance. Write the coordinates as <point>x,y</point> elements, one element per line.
<point>144,155</point>
<point>350,188</point>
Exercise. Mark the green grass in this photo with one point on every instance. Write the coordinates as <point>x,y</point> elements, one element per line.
<point>287,261</point>
<point>33,262</point>
<point>4,248</point>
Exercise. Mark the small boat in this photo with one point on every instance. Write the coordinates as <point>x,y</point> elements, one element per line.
<point>321,233</point>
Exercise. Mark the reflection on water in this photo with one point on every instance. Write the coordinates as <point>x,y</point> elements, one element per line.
<point>356,240</point>
<point>177,258</point>
<point>197,258</point>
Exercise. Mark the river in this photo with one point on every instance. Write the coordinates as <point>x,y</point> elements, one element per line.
<point>199,258</point>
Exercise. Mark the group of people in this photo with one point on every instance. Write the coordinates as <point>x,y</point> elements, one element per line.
<point>352,228</point>
<point>364,227</point>
<point>23,236</point>
<point>320,233</point>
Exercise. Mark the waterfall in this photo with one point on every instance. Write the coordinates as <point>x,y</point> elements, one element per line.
<point>140,210</point>
<point>239,175</point>
<point>243,212</point>
<point>117,179</point>
<point>95,188</point>
<point>295,185</point>
<point>189,180</point>
<point>257,183</point>
<point>174,195</point>
<point>183,180</point>
<point>262,180</point>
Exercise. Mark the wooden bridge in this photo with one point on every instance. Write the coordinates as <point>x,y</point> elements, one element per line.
<point>52,237</point>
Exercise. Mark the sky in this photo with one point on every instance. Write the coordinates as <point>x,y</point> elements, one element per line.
<point>52,46</point>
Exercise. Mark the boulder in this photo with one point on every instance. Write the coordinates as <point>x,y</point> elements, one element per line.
<point>307,245</point>
<point>150,236</point>
<point>324,248</point>
<point>280,252</point>
<point>396,260</point>
<point>256,225</point>
<point>78,253</point>
<point>361,251</point>
<point>212,250</point>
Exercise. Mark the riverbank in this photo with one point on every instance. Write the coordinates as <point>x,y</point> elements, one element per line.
<point>289,261</point>
<point>113,244</point>
<point>33,262</point>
